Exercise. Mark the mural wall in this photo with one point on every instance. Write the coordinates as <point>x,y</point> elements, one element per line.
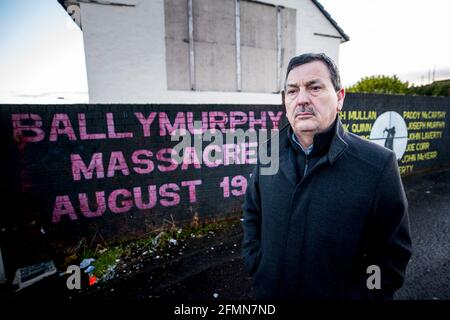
<point>77,171</point>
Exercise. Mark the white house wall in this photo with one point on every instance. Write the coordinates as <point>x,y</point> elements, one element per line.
<point>311,20</point>
<point>125,51</point>
<point>126,58</point>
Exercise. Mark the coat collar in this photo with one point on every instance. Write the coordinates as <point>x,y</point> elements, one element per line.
<point>338,144</point>
<point>321,141</point>
<point>287,154</point>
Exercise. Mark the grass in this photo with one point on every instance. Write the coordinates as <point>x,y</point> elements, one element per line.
<point>106,258</point>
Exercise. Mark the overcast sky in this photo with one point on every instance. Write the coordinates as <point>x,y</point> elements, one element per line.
<point>41,50</point>
<point>408,38</point>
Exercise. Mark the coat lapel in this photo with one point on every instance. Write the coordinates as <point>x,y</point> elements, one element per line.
<point>287,165</point>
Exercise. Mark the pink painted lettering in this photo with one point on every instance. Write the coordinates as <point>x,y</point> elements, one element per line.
<point>117,162</point>
<point>250,153</point>
<point>58,119</point>
<point>78,167</point>
<point>175,197</point>
<point>100,204</point>
<point>151,197</point>
<point>145,122</point>
<point>231,154</point>
<point>192,184</point>
<point>217,119</point>
<point>275,119</point>
<point>207,153</point>
<point>165,155</point>
<point>165,125</point>
<point>84,135</point>
<point>112,134</point>
<point>148,165</point>
<point>261,122</point>
<point>190,156</point>
<point>120,206</point>
<point>239,183</point>
<point>63,207</point>
<point>190,123</point>
<point>35,127</point>
<point>237,118</point>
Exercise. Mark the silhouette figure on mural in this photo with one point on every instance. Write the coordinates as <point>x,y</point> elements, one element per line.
<point>389,143</point>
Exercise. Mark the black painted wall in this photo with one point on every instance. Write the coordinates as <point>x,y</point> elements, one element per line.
<point>50,199</point>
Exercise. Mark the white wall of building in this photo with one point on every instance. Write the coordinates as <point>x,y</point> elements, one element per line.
<point>311,20</point>
<point>125,53</point>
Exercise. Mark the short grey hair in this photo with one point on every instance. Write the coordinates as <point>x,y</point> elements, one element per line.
<point>310,57</point>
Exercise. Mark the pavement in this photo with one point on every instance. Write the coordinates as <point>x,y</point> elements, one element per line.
<point>428,273</point>
<point>211,267</point>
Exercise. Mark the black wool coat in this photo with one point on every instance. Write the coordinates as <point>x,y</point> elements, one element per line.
<point>316,238</point>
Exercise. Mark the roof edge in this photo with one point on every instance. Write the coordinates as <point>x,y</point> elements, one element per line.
<point>332,21</point>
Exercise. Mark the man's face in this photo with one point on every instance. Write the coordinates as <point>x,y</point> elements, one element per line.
<point>310,99</point>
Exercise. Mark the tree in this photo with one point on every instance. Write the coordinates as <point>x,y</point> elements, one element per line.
<point>437,88</point>
<point>380,84</point>
<point>393,85</point>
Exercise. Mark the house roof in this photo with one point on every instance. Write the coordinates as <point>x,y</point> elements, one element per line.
<point>65,3</point>
<point>334,23</point>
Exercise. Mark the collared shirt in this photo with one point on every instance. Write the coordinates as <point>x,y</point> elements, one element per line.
<point>308,150</point>
<point>308,157</point>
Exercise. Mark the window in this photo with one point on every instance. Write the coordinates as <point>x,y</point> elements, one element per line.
<point>201,52</point>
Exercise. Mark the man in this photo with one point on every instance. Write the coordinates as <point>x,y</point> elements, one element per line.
<point>335,207</point>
